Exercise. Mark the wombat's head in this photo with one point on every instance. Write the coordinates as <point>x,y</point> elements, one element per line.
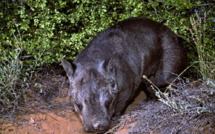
<point>93,93</point>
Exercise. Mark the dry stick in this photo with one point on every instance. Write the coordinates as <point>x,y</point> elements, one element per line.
<point>163,97</point>
<point>183,72</point>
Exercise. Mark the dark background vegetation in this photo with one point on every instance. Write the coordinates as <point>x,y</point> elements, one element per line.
<point>34,34</point>
<point>49,29</point>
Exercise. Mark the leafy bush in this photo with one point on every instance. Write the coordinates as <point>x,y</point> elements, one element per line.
<point>54,29</point>
<point>13,76</point>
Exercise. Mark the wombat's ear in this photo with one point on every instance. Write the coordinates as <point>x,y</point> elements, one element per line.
<point>69,68</point>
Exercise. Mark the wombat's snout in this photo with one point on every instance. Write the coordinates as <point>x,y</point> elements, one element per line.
<point>98,126</point>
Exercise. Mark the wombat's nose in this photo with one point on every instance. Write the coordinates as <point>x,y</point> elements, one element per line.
<point>101,126</point>
<point>96,125</point>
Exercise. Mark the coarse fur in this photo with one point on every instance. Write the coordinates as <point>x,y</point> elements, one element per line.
<point>106,74</point>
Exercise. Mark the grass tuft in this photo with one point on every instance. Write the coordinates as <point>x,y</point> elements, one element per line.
<point>206,55</point>
<point>10,76</point>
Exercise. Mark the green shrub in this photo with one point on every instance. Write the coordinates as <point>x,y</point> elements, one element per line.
<point>54,29</point>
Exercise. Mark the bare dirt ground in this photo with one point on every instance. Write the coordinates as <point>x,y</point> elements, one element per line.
<point>60,122</point>
<point>47,110</point>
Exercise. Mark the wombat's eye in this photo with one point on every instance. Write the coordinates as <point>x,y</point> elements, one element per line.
<point>111,82</point>
<point>108,102</point>
<point>78,105</point>
<point>113,85</point>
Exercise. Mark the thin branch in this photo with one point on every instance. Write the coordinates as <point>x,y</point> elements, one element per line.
<point>154,9</point>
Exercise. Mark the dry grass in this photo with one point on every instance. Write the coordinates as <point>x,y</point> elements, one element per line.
<point>187,109</point>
